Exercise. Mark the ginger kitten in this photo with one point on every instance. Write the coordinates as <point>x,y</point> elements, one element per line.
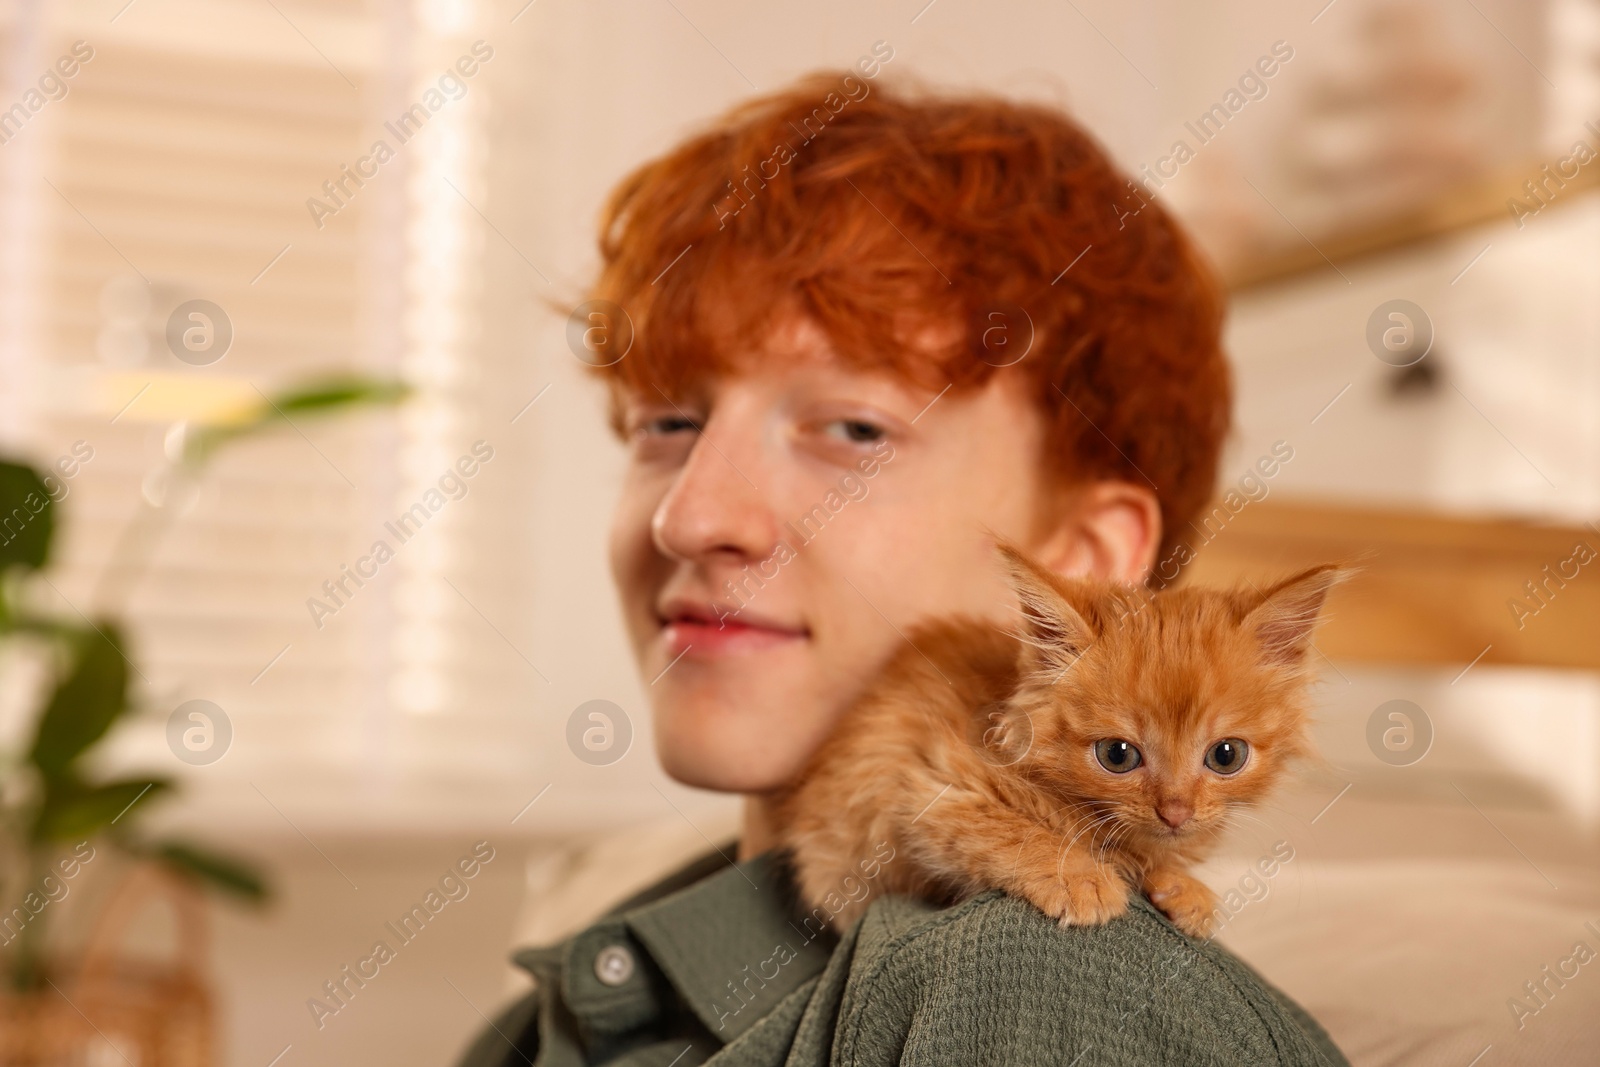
<point>1104,746</point>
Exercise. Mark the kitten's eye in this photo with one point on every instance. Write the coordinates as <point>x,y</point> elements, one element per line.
<point>1226,757</point>
<point>1117,756</point>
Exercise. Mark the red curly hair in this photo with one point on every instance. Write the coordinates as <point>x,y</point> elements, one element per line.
<point>879,212</point>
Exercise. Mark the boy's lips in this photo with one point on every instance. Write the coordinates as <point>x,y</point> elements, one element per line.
<point>699,628</point>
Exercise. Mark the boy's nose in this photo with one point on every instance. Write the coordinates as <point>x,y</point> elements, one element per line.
<point>713,509</point>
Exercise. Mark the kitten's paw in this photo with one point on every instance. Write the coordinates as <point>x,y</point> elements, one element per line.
<point>1095,896</point>
<point>1187,901</point>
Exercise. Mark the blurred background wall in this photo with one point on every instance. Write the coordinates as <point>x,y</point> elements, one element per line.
<point>227,152</point>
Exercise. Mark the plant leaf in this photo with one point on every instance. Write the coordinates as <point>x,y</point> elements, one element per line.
<point>71,811</point>
<point>340,391</point>
<point>85,702</point>
<point>224,872</point>
<point>27,517</point>
<point>319,397</point>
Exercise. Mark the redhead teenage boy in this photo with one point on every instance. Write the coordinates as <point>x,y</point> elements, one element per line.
<point>961,306</point>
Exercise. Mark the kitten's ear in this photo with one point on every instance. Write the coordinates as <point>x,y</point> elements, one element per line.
<point>1054,631</point>
<point>1290,611</point>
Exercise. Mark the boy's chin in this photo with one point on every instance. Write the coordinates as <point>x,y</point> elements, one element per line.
<point>712,771</point>
<point>708,752</point>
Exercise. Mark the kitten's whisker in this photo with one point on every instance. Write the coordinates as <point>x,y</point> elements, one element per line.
<point>1249,817</point>
<point>1099,821</point>
<point>1099,849</point>
<point>1229,825</point>
<point>1100,852</point>
<point>1092,815</point>
<point>1113,839</point>
<point>1244,817</point>
<point>1066,846</point>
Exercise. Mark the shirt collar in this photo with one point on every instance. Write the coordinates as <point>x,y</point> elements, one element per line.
<point>731,944</point>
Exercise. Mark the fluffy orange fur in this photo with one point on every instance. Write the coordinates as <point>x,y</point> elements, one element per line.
<point>1067,763</point>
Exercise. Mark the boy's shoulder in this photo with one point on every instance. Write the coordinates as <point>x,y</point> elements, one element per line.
<point>994,980</point>
<point>989,980</point>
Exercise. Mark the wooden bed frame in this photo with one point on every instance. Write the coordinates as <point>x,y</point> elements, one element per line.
<point>1431,589</point>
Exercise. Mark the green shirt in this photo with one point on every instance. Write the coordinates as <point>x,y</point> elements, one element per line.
<point>716,963</point>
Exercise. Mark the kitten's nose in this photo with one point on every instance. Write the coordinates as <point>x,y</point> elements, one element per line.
<point>1174,812</point>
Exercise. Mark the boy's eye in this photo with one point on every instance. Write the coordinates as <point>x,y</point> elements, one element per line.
<point>665,424</point>
<point>856,431</point>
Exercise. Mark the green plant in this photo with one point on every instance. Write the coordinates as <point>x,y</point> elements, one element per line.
<point>49,794</point>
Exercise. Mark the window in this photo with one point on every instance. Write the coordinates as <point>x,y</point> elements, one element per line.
<point>230,153</point>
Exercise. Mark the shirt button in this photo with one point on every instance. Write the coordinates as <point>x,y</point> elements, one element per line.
<point>614,965</point>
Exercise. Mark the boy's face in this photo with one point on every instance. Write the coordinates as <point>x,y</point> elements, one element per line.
<point>843,507</point>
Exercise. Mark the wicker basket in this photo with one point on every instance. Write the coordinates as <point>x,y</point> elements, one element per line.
<point>116,1011</point>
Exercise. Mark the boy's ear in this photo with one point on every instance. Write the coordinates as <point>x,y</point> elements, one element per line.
<point>1055,632</point>
<point>1289,612</point>
<point>1107,529</point>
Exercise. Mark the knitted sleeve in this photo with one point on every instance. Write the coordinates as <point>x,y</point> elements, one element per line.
<point>994,981</point>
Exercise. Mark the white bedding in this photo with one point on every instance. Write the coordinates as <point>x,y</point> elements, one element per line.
<point>1412,958</point>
